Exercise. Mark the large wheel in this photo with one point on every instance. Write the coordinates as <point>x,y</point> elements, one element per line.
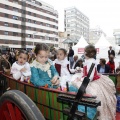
<point>15,105</point>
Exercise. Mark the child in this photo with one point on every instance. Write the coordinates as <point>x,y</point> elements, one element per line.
<point>62,66</point>
<point>43,72</point>
<point>100,86</point>
<point>21,68</point>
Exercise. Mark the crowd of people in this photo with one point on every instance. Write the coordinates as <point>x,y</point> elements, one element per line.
<point>54,69</point>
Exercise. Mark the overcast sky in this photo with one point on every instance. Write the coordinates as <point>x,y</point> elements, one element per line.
<point>102,13</point>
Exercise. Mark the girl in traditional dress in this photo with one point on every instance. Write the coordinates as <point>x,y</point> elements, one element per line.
<point>21,68</point>
<point>62,66</point>
<point>43,72</point>
<point>99,85</point>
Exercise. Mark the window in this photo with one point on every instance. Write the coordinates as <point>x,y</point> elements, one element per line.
<point>29,5</point>
<point>41,30</point>
<point>41,37</point>
<point>47,25</point>
<point>29,28</point>
<point>47,31</point>
<point>40,4</point>
<point>56,45</point>
<point>47,38</point>
<point>23,27</point>
<point>33,1</point>
<point>15,1</point>
<point>15,34</point>
<point>34,21</point>
<point>15,25</point>
<point>23,3</point>
<point>6,15</point>
<point>29,35</point>
<point>56,39</point>
<point>29,13</point>
<point>47,18</point>
<point>6,6</point>
<point>34,14</point>
<point>6,33</point>
<point>23,11</point>
<point>34,29</point>
<point>29,20</point>
<point>23,19</point>
<point>6,24</point>
<point>41,23</point>
<point>68,25</point>
<point>23,35</point>
<point>15,17</point>
<point>29,0</point>
<point>15,9</point>
<point>35,36</point>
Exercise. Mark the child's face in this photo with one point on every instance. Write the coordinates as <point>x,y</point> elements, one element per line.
<point>22,58</point>
<point>42,56</point>
<point>60,55</point>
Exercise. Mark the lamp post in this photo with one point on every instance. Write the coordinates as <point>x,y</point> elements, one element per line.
<point>34,37</point>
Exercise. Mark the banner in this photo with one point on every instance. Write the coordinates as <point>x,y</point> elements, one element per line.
<point>81,50</point>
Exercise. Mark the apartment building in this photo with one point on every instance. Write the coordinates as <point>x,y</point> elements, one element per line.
<point>76,23</point>
<point>24,23</point>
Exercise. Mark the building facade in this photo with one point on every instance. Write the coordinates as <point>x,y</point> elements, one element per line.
<point>24,23</point>
<point>116,34</point>
<point>95,34</point>
<point>76,23</point>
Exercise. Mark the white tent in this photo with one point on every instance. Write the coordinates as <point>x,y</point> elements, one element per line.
<point>117,49</point>
<point>102,47</point>
<point>79,47</point>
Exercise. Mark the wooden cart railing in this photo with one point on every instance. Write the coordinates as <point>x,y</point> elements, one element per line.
<point>45,98</point>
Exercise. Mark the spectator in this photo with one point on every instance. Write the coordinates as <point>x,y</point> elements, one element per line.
<point>103,67</point>
<point>75,61</point>
<point>111,52</point>
<point>111,63</point>
<point>70,56</point>
<point>79,63</point>
<point>12,58</point>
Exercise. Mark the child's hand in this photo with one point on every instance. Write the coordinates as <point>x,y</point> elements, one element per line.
<point>78,70</point>
<point>54,80</point>
<point>57,82</point>
<point>23,69</point>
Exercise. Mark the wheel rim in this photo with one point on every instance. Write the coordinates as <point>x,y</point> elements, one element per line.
<point>9,111</point>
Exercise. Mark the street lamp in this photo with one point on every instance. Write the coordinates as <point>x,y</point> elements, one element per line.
<point>34,37</point>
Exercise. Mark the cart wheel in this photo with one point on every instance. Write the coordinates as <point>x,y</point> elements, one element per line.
<point>15,105</point>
